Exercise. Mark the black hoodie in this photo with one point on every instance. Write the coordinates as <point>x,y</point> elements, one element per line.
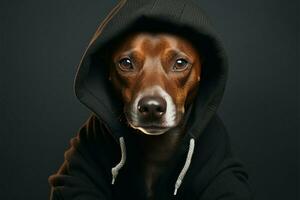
<point>99,163</point>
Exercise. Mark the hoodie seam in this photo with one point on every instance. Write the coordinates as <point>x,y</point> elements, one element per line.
<point>109,16</point>
<point>181,13</point>
<point>153,5</point>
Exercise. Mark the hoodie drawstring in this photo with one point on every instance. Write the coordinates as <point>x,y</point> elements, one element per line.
<point>115,170</point>
<point>186,165</point>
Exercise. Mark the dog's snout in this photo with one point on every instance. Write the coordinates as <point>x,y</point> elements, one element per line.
<point>154,106</point>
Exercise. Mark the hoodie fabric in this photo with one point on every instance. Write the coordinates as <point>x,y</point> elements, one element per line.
<point>101,164</point>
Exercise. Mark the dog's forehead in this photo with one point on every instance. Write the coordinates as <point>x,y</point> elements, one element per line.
<point>156,43</point>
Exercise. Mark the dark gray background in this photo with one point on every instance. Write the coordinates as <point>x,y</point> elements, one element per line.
<point>42,43</point>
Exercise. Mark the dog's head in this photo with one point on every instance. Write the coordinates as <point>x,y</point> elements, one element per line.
<point>157,76</point>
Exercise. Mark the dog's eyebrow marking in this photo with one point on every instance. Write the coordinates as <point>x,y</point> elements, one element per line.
<point>172,53</point>
<point>130,53</point>
<point>177,52</point>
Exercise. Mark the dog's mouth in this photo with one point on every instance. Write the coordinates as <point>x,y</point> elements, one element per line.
<point>148,127</point>
<point>152,129</point>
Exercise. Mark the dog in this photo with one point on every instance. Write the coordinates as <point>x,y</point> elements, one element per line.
<point>154,131</point>
<point>157,76</point>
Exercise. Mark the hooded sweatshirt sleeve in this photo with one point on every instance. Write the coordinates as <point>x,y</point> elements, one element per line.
<point>84,174</point>
<point>229,184</point>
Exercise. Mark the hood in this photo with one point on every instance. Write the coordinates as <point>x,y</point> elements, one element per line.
<point>184,18</point>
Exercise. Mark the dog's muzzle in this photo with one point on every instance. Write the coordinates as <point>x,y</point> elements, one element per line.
<point>153,111</point>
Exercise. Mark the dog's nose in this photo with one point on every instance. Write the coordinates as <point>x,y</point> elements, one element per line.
<point>152,106</point>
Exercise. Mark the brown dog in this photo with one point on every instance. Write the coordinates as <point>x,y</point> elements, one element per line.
<point>157,76</point>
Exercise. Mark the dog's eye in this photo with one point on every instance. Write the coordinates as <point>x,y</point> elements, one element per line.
<point>125,64</point>
<point>180,64</point>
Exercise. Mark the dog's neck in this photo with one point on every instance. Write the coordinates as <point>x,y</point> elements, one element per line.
<point>156,151</point>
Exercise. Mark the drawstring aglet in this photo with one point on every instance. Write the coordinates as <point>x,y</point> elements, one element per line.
<point>115,170</point>
<point>114,175</point>
<point>177,185</point>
